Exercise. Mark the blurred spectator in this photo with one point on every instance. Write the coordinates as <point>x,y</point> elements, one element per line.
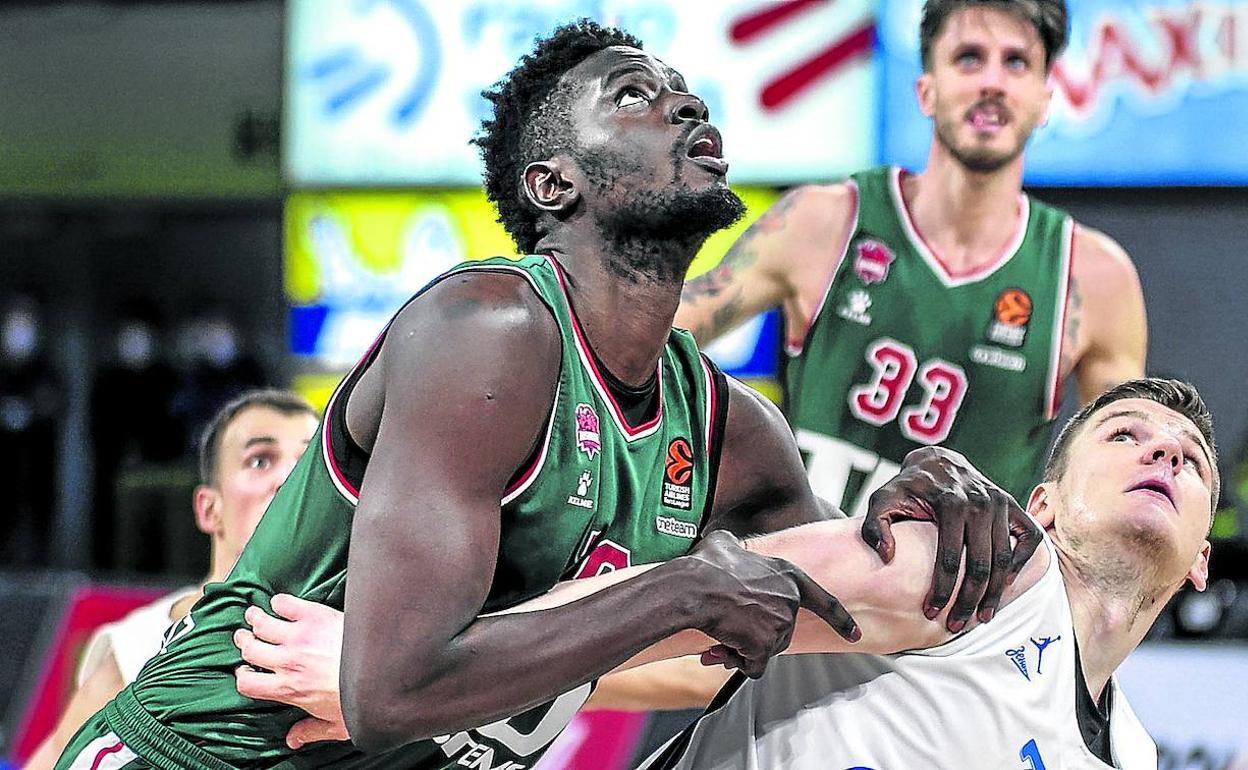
<point>246,452</point>
<point>215,364</point>
<point>132,412</point>
<point>30,406</point>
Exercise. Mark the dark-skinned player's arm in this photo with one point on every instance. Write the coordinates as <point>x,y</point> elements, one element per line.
<point>470,372</point>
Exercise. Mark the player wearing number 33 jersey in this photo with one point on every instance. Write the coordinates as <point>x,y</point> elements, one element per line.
<point>903,353</point>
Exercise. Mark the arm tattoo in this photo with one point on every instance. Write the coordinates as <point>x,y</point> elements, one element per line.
<point>1074,315</point>
<point>718,282</point>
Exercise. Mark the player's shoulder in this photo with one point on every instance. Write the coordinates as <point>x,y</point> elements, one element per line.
<point>1099,257</point>
<point>489,301</point>
<point>828,202</point>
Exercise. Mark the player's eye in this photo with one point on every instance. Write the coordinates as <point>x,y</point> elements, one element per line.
<point>967,59</point>
<point>1016,63</point>
<point>630,96</point>
<point>259,462</point>
<point>1122,434</point>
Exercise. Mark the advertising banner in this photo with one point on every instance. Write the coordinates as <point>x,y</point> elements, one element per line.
<point>388,92</point>
<point>1151,92</point>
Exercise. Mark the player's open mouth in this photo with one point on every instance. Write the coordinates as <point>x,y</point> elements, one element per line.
<point>1156,485</point>
<point>706,149</point>
<point>988,117</point>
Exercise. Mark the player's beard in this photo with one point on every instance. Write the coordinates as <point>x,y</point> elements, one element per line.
<point>654,234</point>
<point>980,160</point>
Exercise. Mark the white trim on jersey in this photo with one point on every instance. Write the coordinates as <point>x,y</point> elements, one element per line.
<point>933,260</point>
<point>1053,391</point>
<point>535,469</point>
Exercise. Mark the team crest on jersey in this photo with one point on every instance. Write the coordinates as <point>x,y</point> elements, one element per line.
<point>588,439</point>
<point>678,475</point>
<point>872,261</point>
<point>1011,314</point>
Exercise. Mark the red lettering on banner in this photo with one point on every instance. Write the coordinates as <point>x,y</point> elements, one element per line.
<point>1197,42</point>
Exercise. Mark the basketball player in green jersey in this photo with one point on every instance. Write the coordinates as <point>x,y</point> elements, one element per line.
<point>556,385</point>
<point>945,307</point>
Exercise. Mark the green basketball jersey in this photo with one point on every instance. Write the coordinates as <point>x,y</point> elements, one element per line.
<point>902,353</point>
<point>598,494</point>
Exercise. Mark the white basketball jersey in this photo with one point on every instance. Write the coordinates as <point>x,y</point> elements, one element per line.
<point>999,697</point>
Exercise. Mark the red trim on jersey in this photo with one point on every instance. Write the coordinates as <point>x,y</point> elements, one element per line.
<point>795,347</point>
<point>1055,395</point>
<point>587,358</point>
<point>104,753</point>
<point>712,402</point>
<point>327,446</point>
<point>942,267</point>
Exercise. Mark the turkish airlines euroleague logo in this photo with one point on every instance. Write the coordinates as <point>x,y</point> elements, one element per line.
<point>678,475</point>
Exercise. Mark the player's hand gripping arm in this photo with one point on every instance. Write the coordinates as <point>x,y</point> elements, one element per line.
<point>784,258</point>
<point>763,488</point>
<point>469,379</point>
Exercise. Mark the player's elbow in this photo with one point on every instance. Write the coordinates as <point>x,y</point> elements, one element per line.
<point>378,724</point>
<point>381,714</point>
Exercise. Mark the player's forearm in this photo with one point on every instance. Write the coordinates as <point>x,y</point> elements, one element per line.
<point>501,665</point>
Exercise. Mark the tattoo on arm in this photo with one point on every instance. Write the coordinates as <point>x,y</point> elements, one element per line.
<point>718,283</point>
<point>1074,316</point>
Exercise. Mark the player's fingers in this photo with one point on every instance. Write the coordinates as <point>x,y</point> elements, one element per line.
<point>1001,561</point>
<point>975,579</point>
<point>256,652</point>
<point>877,526</point>
<point>255,684</point>
<point>826,606</point>
<point>311,730</point>
<point>294,608</point>
<point>950,528</point>
<point>1028,537</point>
<point>267,627</point>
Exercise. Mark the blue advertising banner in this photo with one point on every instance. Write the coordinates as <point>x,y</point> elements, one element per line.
<point>1148,93</point>
<point>388,92</point>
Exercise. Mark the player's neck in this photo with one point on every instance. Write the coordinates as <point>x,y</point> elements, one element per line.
<point>968,218</point>
<point>627,314</point>
<point>1113,603</point>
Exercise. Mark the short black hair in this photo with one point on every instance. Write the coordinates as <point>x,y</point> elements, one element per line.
<point>530,120</point>
<point>1049,17</point>
<point>1182,397</point>
<point>281,401</point>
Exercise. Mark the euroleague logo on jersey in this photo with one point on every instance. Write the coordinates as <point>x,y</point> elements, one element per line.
<point>678,475</point>
<point>872,261</point>
<point>1011,314</point>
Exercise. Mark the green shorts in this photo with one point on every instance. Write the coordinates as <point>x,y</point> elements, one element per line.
<point>123,736</point>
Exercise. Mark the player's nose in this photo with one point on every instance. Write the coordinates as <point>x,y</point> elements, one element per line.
<point>688,107</point>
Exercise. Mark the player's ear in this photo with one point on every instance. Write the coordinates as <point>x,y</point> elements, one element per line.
<point>926,94</point>
<point>547,185</point>
<point>1048,100</point>
<point>1039,507</point>
<point>1198,575</point>
<point>207,504</point>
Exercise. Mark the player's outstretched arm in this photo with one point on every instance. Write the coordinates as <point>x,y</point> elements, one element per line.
<point>784,258</point>
<point>763,488</point>
<point>882,596</point>
<point>469,378</point>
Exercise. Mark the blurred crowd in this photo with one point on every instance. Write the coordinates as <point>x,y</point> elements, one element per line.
<point>155,384</point>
